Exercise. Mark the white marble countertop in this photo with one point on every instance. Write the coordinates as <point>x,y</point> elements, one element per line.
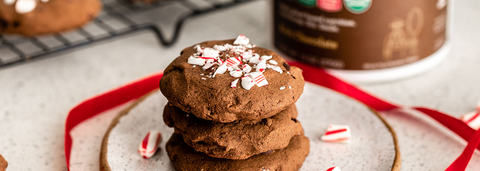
<point>35,97</point>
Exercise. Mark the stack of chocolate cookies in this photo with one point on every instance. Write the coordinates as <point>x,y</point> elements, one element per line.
<point>232,106</point>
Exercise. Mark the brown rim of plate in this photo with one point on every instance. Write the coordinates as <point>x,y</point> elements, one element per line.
<point>104,166</point>
<point>3,163</point>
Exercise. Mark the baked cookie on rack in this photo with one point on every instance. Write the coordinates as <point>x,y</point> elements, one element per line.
<point>225,81</point>
<point>38,17</point>
<point>235,140</point>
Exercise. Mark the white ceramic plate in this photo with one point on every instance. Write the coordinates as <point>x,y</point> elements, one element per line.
<point>371,148</point>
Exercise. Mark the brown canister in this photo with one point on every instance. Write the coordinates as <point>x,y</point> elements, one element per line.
<point>359,35</point>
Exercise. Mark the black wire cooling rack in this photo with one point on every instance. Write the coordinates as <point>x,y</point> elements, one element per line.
<point>118,18</point>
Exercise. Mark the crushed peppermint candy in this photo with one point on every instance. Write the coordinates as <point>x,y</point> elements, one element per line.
<point>273,62</point>
<point>234,84</point>
<point>337,133</point>
<point>150,144</point>
<point>247,82</point>
<point>239,59</point>
<point>265,169</point>
<point>242,40</point>
<point>472,119</point>
<point>259,79</point>
<point>236,73</point>
<point>335,168</point>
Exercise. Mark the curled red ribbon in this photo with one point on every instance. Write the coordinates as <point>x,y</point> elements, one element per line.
<point>137,89</point>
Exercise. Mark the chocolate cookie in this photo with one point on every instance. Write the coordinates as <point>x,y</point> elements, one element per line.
<point>37,17</point>
<point>290,158</point>
<point>234,82</point>
<point>235,140</point>
<point>3,163</point>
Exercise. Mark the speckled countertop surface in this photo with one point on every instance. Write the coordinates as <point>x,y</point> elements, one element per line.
<point>35,97</point>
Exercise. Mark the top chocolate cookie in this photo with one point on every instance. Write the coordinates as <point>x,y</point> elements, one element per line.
<point>225,81</point>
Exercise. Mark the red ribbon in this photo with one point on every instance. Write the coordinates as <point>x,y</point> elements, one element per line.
<point>111,99</point>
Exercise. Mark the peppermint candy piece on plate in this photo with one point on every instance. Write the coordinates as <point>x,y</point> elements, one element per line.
<point>241,40</point>
<point>472,119</point>
<point>337,133</point>
<point>334,168</point>
<point>149,145</point>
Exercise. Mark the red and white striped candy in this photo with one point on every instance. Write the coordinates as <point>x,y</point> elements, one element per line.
<point>233,84</point>
<point>247,82</point>
<point>259,79</point>
<point>334,168</point>
<point>472,119</point>
<point>234,61</point>
<point>241,40</point>
<point>149,145</point>
<point>209,52</point>
<point>337,133</point>
<point>207,58</point>
<point>198,48</point>
<point>196,61</point>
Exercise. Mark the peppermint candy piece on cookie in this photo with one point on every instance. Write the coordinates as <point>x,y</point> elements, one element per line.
<point>25,6</point>
<point>247,82</point>
<point>334,168</point>
<point>196,61</point>
<point>236,73</point>
<point>259,79</point>
<point>8,2</point>
<point>209,52</point>
<point>246,68</point>
<point>233,84</point>
<point>149,145</point>
<point>337,133</point>
<point>234,61</point>
<point>241,40</point>
<point>221,69</point>
<point>472,119</point>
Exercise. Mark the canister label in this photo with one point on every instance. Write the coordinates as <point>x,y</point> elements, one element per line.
<point>360,34</point>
